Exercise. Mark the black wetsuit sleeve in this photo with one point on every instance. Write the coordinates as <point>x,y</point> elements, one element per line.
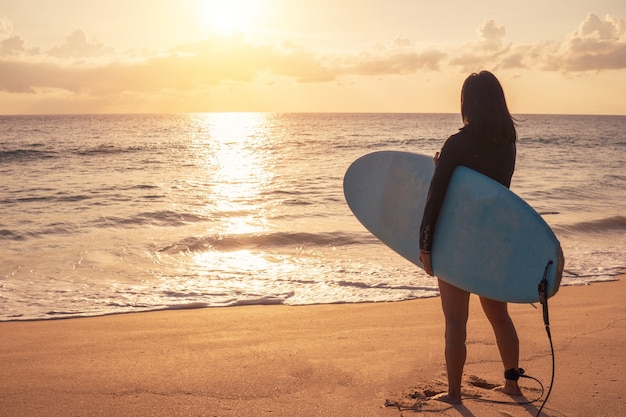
<point>449,159</point>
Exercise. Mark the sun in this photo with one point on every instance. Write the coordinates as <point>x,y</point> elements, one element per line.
<point>228,16</point>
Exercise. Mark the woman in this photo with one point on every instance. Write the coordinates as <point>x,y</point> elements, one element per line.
<point>485,143</point>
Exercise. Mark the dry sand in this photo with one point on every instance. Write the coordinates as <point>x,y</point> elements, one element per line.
<point>327,360</point>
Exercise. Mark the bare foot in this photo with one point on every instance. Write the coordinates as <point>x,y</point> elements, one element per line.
<point>447,398</point>
<point>510,388</point>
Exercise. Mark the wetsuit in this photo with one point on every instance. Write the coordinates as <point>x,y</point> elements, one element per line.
<point>496,161</point>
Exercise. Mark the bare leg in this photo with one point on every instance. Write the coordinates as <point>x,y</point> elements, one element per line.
<point>506,338</point>
<point>455,303</point>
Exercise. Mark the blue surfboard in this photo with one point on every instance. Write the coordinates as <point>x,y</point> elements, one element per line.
<point>488,241</point>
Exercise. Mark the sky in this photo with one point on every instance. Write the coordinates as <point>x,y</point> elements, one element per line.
<point>147,56</point>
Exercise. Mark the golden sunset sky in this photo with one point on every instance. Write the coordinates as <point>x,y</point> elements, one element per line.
<point>145,56</point>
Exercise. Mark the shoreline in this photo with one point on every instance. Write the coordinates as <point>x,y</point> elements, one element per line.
<point>184,307</point>
<point>314,360</point>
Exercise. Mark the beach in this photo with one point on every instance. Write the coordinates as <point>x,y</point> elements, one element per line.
<point>370,359</point>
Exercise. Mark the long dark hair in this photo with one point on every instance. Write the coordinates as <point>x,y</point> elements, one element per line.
<point>484,109</point>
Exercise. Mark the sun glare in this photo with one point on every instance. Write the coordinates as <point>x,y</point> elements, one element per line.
<point>227,16</point>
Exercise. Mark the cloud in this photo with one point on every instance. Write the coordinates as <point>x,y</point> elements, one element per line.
<point>6,28</point>
<point>399,58</point>
<point>9,45</point>
<point>90,67</point>
<point>78,46</point>
<point>597,44</point>
<point>490,50</point>
<point>491,35</point>
<point>14,45</point>
<point>86,66</point>
<point>187,67</point>
<point>296,62</point>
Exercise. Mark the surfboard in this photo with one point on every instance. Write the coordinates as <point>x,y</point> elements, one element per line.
<point>488,240</point>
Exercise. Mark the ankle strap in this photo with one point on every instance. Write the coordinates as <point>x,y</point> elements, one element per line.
<point>513,374</point>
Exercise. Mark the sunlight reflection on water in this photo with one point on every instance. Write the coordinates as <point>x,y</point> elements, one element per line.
<point>239,168</point>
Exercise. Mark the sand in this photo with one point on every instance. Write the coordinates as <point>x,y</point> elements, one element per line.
<point>329,360</point>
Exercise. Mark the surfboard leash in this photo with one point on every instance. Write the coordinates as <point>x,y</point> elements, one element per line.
<point>543,299</point>
<point>519,373</point>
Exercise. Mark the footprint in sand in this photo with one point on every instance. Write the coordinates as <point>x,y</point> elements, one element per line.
<point>480,383</point>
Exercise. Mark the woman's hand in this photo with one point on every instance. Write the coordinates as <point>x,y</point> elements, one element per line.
<point>425,257</point>
<point>436,158</point>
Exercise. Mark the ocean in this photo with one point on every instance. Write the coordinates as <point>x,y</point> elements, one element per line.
<point>105,214</point>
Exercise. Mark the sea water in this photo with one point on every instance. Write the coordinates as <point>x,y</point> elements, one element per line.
<point>103,214</point>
